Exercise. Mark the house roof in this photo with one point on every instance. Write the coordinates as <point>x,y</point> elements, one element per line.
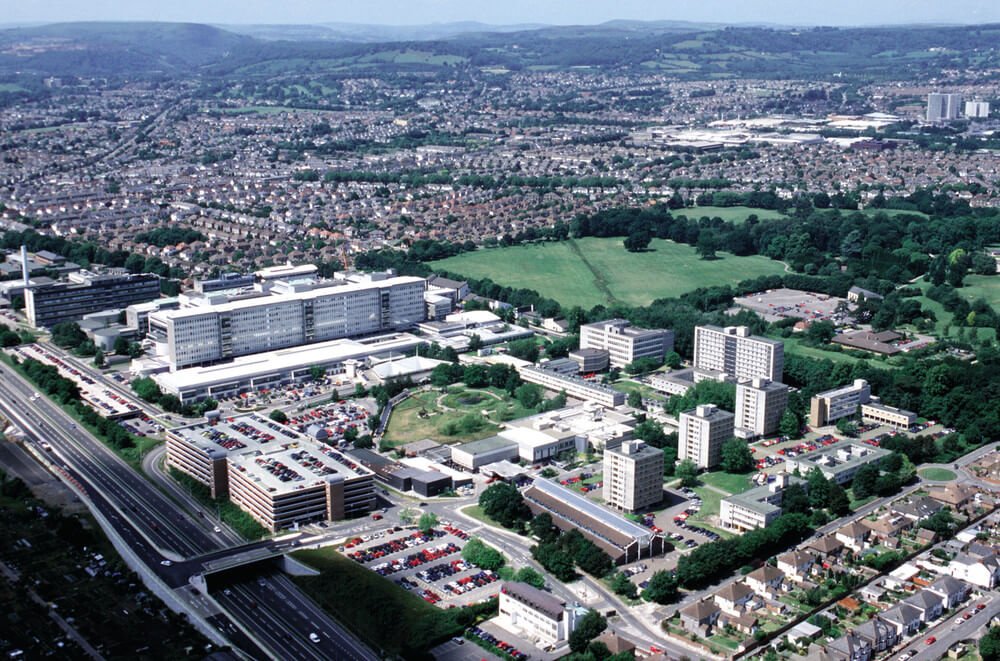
<point>766,574</point>
<point>734,592</point>
<point>826,544</point>
<point>924,600</point>
<point>854,529</point>
<point>948,585</point>
<point>796,558</point>
<point>901,613</point>
<point>700,610</point>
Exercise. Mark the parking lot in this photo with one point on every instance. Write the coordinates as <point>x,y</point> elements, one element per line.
<point>428,564</point>
<point>777,304</point>
<point>334,419</point>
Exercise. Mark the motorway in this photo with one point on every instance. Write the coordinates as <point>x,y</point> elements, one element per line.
<point>155,529</point>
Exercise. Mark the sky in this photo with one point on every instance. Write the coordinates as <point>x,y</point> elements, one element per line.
<point>562,12</point>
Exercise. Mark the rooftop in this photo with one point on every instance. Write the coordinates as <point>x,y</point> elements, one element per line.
<point>539,600</point>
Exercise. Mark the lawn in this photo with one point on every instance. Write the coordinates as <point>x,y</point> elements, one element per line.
<point>727,481</point>
<point>446,418</point>
<point>982,286</point>
<point>794,345</point>
<point>937,474</point>
<point>627,386</point>
<point>592,271</point>
<point>710,499</point>
<point>978,286</point>
<point>730,214</point>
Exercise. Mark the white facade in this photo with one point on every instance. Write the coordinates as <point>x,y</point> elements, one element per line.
<point>759,406</point>
<point>197,335</point>
<point>633,476</point>
<point>832,405</point>
<point>733,351</point>
<point>977,109</point>
<point>535,614</point>
<point>703,431</point>
<point>943,107</point>
<point>625,343</point>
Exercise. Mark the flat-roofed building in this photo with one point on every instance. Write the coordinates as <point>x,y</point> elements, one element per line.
<point>678,382</point>
<point>626,343</point>
<point>86,293</point>
<point>590,360</point>
<point>276,475</point>
<point>574,386</point>
<point>760,403</point>
<point>832,405</point>
<point>479,453</point>
<point>542,442</point>
<point>198,336</point>
<point>703,430</point>
<point>277,368</point>
<point>620,538</point>
<point>536,614</point>
<point>881,414</point>
<point>633,476</point>
<point>733,351</point>
<point>838,462</point>
<point>758,507</point>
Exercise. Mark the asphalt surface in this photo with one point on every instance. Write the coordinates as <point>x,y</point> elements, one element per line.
<point>156,530</point>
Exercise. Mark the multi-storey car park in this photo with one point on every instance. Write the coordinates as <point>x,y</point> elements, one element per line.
<point>275,474</point>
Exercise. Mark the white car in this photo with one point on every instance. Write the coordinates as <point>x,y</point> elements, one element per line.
<point>314,637</point>
<point>166,563</point>
<point>216,529</point>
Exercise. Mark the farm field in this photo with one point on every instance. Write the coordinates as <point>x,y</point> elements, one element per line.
<point>593,271</point>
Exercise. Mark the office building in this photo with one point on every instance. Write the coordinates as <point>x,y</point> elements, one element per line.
<point>590,361</point>
<point>758,507</point>
<point>633,476</point>
<point>199,336</point>
<point>943,107</point>
<point>620,538</point>
<point>535,614</point>
<point>625,343</point>
<point>471,456</point>
<point>760,403</point>
<point>223,282</point>
<point>703,430</point>
<point>837,462</point>
<point>678,382</point>
<point>880,414</point>
<point>85,293</point>
<point>137,316</point>
<point>573,386</point>
<point>276,475</point>
<point>733,351</point>
<point>977,109</point>
<point>828,407</point>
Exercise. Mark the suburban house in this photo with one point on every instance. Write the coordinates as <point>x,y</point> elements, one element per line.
<point>917,509</point>
<point>983,573</point>
<point>951,590</point>
<point>827,545</point>
<point>765,580</point>
<point>700,616</point>
<point>878,633</point>
<point>853,536</point>
<point>953,495</point>
<point>796,564</point>
<point>904,617</point>
<point>928,603</point>
<point>849,647</point>
<point>733,598</point>
<point>887,528</point>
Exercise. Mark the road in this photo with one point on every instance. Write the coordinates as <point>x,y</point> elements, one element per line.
<point>949,634</point>
<point>155,529</point>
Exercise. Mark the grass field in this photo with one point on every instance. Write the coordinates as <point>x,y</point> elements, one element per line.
<point>794,345</point>
<point>982,286</point>
<point>430,414</point>
<point>977,286</point>
<point>937,474</point>
<point>730,214</point>
<point>710,499</point>
<point>592,271</point>
<point>727,481</point>
<point>627,386</point>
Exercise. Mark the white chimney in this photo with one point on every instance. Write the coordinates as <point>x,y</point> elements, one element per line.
<point>24,264</point>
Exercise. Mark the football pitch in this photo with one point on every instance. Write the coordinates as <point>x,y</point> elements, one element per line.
<point>592,271</point>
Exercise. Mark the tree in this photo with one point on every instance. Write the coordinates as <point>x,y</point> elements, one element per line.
<point>623,586</point>
<point>635,399</point>
<point>475,342</point>
<point>542,527</point>
<point>134,350</point>
<point>864,481</point>
<point>941,522</point>
<point>847,427</point>
<point>588,627</point>
<point>794,499</point>
<point>819,488</point>
<point>427,521</point>
<point>736,456</point>
<point>687,470</point>
<point>530,576</point>
<point>147,389</point>
<point>278,416</point>
<point>68,334</point>
<point>481,555</point>
<point>351,435</point>
<point>317,373</point>
<point>820,332</point>
<point>504,504</point>
<point>593,560</point>
<point>99,361</point>
<point>790,424</point>
<point>707,245</point>
<point>529,395</point>
<point>989,645</point>
<point>837,500</point>
<point>121,346</point>
<point>662,588</point>
<point>526,349</point>
<point>637,241</point>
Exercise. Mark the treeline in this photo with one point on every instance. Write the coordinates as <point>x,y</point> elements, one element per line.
<point>169,236</point>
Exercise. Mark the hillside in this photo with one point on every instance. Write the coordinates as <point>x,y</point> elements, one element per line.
<point>692,51</point>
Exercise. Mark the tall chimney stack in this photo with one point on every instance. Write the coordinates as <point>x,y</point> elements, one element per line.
<point>24,264</point>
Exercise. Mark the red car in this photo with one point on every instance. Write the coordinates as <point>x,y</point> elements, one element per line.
<point>931,640</point>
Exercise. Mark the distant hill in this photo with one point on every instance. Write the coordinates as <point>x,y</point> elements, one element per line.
<point>683,50</point>
<point>115,48</point>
